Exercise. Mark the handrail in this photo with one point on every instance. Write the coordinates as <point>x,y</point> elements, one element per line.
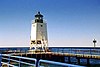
<point>9,55</point>
<point>20,57</point>
<point>9,64</point>
<point>20,61</point>
<point>40,61</point>
<point>58,63</point>
<point>36,62</point>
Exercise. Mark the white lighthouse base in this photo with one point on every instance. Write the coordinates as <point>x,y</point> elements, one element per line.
<point>38,51</point>
<point>35,51</point>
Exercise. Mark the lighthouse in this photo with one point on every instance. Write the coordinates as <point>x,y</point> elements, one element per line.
<point>38,37</point>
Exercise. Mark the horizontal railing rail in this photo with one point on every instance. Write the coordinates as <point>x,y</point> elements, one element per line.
<point>57,63</point>
<point>19,60</point>
<point>8,64</point>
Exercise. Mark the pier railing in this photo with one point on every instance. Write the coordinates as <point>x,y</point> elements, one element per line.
<point>16,61</point>
<point>10,60</point>
<point>57,64</point>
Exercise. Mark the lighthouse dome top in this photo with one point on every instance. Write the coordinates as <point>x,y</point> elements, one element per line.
<point>38,18</point>
<point>38,14</point>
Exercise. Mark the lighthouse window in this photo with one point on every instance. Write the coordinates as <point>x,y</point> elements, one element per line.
<point>41,25</point>
<point>37,20</point>
<point>38,42</point>
<point>33,42</point>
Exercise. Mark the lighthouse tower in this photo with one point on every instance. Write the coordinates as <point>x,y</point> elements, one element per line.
<point>39,33</point>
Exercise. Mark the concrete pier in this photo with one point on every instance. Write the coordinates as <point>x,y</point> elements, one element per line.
<point>60,57</point>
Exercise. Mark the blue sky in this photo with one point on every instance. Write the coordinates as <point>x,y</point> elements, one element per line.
<point>70,22</point>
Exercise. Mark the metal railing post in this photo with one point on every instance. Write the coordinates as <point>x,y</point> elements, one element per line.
<point>8,61</point>
<point>19,62</point>
<point>37,63</point>
<point>0,60</point>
